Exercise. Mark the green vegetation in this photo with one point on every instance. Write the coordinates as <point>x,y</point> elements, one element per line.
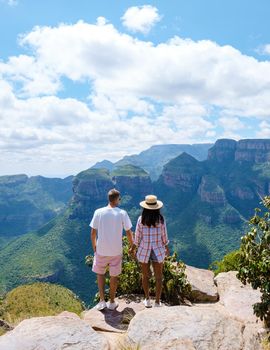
<point>254,264</point>
<point>53,253</point>
<point>38,299</point>
<point>175,285</point>
<point>129,170</point>
<point>27,203</point>
<point>230,262</point>
<point>94,174</point>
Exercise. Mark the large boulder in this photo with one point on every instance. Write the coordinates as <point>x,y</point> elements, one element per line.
<point>226,324</point>
<point>203,326</point>
<point>53,333</point>
<point>202,284</point>
<point>236,297</point>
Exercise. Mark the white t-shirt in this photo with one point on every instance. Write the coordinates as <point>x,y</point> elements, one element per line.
<point>109,222</point>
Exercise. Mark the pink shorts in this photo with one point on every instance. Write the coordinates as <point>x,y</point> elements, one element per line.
<point>101,262</point>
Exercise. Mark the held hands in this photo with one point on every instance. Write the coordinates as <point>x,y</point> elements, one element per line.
<point>167,252</point>
<point>132,251</point>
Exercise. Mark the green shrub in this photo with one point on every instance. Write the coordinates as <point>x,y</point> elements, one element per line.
<point>175,285</point>
<point>254,263</point>
<point>38,299</point>
<point>230,262</point>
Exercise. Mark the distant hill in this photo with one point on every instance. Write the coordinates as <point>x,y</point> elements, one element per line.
<point>206,204</point>
<point>27,203</point>
<point>154,158</point>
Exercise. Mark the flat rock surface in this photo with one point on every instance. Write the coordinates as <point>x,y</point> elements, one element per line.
<point>53,333</point>
<point>114,320</point>
<point>202,284</point>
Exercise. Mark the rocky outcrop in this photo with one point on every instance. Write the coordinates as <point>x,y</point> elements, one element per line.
<point>257,151</point>
<point>210,191</point>
<point>202,284</point>
<point>242,192</point>
<point>182,173</point>
<point>223,150</point>
<point>236,297</point>
<point>117,320</point>
<point>249,150</point>
<point>53,333</point>
<point>228,323</point>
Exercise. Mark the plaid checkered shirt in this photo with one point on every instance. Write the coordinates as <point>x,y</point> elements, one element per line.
<point>147,238</point>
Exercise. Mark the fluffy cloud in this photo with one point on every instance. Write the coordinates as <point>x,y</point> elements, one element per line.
<point>140,94</point>
<point>141,18</point>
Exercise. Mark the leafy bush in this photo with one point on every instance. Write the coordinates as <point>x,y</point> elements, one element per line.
<point>230,262</point>
<point>38,299</point>
<point>254,262</point>
<point>175,285</point>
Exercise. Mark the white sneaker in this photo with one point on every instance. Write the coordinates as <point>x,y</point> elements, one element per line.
<point>147,303</point>
<point>101,305</point>
<point>158,304</point>
<point>112,306</point>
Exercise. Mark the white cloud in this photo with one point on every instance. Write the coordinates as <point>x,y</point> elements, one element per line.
<point>10,2</point>
<point>141,18</point>
<point>231,123</point>
<point>140,94</point>
<point>264,49</point>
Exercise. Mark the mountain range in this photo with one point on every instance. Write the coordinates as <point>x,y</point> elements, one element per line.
<point>207,204</point>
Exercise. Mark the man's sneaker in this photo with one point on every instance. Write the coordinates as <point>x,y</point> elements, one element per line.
<point>158,304</point>
<point>101,305</point>
<point>147,303</point>
<point>112,306</point>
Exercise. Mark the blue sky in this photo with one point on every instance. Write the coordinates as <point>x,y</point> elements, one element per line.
<point>81,81</point>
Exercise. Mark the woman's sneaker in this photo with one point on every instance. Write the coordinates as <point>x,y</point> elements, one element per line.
<point>147,303</point>
<point>158,304</point>
<point>101,305</point>
<point>112,306</point>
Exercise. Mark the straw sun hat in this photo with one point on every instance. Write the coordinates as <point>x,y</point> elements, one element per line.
<point>151,202</point>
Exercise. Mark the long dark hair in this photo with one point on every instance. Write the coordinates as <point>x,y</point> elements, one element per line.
<point>151,217</point>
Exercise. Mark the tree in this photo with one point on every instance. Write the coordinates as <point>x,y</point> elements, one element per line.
<point>254,258</point>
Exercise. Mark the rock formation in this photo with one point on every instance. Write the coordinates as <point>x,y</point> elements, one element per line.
<point>225,323</point>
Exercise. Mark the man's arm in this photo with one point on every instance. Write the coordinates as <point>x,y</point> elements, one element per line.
<point>129,237</point>
<point>94,239</point>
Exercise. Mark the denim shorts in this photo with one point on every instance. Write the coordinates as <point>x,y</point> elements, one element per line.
<point>153,256</point>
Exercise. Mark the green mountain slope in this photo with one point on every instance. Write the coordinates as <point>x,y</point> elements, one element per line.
<point>207,205</point>
<point>26,203</point>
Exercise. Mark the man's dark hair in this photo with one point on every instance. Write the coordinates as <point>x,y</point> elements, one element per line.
<point>151,217</point>
<point>113,195</point>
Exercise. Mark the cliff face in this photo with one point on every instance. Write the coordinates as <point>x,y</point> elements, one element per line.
<point>256,151</point>
<point>223,150</point>
<point>90,188</point>
<point>210,191</point>
<point>183,173</point>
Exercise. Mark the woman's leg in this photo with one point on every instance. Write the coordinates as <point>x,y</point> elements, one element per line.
<point>158,271</point>
<point>145,279</point>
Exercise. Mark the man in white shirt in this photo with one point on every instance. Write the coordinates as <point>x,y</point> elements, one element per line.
<point>108,224</point>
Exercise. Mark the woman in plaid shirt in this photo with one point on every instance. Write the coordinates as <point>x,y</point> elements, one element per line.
<point>151,241</point>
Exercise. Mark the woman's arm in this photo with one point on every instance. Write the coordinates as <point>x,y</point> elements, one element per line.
<point>138,233</point>
<point>165,238</point>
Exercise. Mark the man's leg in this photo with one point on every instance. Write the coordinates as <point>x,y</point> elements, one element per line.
<point>113,287</point>
<point>115,265</point>
<point>101,286</point>
<point>99,267</point>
